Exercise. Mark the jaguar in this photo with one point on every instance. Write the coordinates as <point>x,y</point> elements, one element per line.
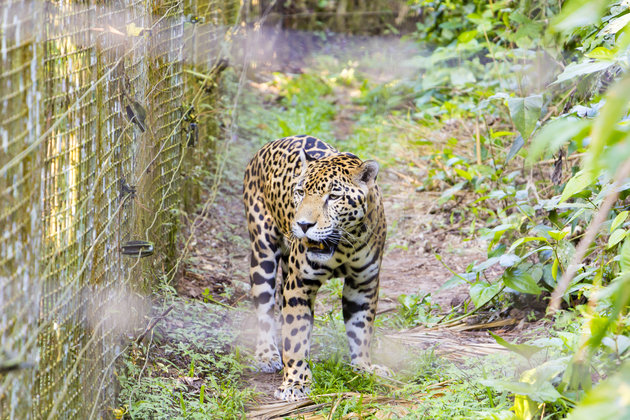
<point>313,213</point>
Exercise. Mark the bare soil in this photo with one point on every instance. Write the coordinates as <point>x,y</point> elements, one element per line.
<point>410,264</point>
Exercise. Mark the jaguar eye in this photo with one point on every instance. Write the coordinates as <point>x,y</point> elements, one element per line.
<point>299,192</point>
<point>333,196</point>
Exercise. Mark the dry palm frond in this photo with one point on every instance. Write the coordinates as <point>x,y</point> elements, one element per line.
<point>485,325</point>
<point>450,343</point>
<point>304,407</point>
<point>281,408</point>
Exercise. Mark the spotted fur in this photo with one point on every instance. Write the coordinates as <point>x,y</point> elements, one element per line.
<point>318,214</point>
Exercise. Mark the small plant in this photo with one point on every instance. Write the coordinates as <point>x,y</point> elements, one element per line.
<point>416,310</point>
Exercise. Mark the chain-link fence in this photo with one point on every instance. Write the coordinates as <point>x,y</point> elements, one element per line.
<point>97,128</point>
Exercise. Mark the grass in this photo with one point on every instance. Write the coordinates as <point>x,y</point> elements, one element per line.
<point>189,367</point>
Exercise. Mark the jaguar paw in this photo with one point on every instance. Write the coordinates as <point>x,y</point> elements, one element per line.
<point>269,364</point>
<point>292,392</point>
<point>377,370</point>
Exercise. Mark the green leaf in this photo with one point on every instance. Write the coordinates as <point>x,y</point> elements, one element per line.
<point>618,220</point>
<point>516,146</point>
<point>624,253</point>
<point>482,292</point>
<point>449,193</point>
<point>582,69</point>
<point>616,237</point>
<point>541,392</point>
<point>509,260</point>
<point>579,13</point>
<point>525,408</point>
<point>537,272</point>
<point>464,174</point>
<point>565,250</point>
<point>521,281</point>
<point>605,124</point>
<point>461,76</point>
<point>602,53</point>
<point>521,241</point>
<point>610,399</point>
<point>617,344</point>
<point>619,292</point>
<point>578,375</point>
<point>450,283</point>
<point>497,134</point>
<point>486,264</point>
<point>555,134</point>
<point>467,36</point>
<point>558,235</point>
<point>525,350</point>
<point>577,183</point>
<point>615,25</point>
<point>498,250</point>
<point>525,113</point>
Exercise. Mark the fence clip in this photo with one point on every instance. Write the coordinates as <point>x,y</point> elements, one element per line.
<point>126,189</point>
<point>192,132</point>
<point>13,364</point>
<point>136,114</point>
<point>137,248</point>
<point>195,19</point>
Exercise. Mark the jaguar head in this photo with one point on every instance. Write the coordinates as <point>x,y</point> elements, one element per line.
<point>331,201</point>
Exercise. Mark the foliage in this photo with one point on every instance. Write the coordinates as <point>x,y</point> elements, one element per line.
<point>167,391</point>
<point>305,106</point>
<point>540,84</point>
<point>189,369</point>
<point>415,310</point>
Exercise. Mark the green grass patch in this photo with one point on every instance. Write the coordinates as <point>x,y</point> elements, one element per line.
<point>190,367</point>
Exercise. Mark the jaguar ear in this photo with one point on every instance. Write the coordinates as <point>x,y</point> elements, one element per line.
<point>303,159</point>
<point>367,172</point>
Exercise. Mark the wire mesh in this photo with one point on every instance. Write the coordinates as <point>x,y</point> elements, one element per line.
<point>93,141</point>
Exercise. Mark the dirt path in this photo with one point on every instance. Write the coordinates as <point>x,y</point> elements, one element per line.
<point>409,264</point>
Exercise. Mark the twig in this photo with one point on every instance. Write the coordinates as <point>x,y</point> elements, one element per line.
<point>572,157</point>
<point>560,102</point>
<point>13,365</point>
<point>334,407</point>
<point>153,323</point>
<point>384,311</point>
<point>466,315</point>
<point>453,309</point>
<point>477,140</point>
<point>407,178</point>
<point>622,173</point>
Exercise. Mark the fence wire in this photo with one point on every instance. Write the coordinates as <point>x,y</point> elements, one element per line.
<point>97,133</point>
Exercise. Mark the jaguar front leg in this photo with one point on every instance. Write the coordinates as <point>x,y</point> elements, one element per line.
<point>297,316</point>
<point>359,301</point>
<point>265,254</point>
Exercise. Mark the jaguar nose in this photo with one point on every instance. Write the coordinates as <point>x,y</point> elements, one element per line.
<point>305,226</point>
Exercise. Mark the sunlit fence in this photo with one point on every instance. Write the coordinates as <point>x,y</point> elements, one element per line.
<point>96,132</point>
